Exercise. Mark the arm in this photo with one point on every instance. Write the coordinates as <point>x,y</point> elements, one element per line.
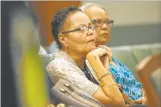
<point>61,69</point>
<point>108,58</point>
<point>108,92</point>
<point>143,99</point>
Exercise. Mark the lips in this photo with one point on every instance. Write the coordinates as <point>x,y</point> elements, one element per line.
<point>92,40</point>
<point>104,33</point>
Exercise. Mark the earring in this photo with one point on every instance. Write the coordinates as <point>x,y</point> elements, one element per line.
<point>66,49</point>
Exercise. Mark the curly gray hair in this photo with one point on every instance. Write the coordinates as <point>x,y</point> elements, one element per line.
<point>86,6</point>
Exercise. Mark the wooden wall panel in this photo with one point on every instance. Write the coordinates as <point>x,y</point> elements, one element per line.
<point>45,11</point>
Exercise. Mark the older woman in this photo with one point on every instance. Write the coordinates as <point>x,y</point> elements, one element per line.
<point>120,72</point>
<point>75,36</point>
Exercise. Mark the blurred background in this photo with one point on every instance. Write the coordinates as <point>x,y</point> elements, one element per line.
<point>135,22</point>
<point>26,28</point>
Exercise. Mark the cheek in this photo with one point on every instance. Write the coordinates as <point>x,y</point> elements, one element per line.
<point>76,43</point>
<point>80,45</point>
<point>98,31</point>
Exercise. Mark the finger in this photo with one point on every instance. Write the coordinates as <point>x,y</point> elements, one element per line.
<point>107,48</point>
<point>100,51</point>
<point>109,54</point>
<point>100,46</point>
<point>108,57</point>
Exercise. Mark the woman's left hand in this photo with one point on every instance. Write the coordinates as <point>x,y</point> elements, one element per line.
<point>107,58</point>
<point>108,49</point>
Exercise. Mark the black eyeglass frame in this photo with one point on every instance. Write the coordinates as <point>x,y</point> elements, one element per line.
<point>79,29</point>
<point>107,22</point>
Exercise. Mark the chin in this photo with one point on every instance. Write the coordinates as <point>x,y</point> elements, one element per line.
<point>104,39</point>
<point>92,48</point>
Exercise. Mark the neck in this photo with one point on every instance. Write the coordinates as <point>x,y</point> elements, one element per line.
<point>99,43</point>
<point>78,58</point>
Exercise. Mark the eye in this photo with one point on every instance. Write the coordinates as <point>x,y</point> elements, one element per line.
<point>92,27</point>
<point>83,28</point>
<point>109,21</point>
<point>99,21</point>
<point>95,27</point>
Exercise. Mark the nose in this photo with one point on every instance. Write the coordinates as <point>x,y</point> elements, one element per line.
<point>105,26</point>
<point>90,31</point>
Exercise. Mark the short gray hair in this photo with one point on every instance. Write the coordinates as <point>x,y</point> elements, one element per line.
<point>86,6</point>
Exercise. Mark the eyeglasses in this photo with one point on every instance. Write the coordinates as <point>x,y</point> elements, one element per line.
<point>82,29</point>
<point>100,22</point>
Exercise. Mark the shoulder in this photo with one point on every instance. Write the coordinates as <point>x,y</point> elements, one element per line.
<point>62,63</point>
<point>57,63</point>
<point>60,67</point>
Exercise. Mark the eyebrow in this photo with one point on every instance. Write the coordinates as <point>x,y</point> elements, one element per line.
<point>100,19</point>
<point>81,25</point>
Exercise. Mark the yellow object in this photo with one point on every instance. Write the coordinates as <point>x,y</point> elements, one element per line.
<point>34,91</point>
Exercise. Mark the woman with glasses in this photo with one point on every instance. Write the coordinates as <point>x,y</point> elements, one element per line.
<point>120,72</point>
<point>75,35</point>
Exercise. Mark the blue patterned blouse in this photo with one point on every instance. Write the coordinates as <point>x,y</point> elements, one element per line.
<point>124,76</point>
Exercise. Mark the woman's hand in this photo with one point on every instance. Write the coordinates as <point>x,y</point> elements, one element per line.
<point>106,59</point>
<point>109,52</point>
<point>104,53</point>
<point>108,93</point>
<point>99,54</point>
<point>142,100</point>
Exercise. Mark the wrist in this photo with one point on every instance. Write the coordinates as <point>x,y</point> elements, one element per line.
<point>91,55</point>
<point>102,74</point>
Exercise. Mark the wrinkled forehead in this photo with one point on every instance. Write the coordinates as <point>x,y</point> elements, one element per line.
<point>79,19</point>
<point>95,12</point>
